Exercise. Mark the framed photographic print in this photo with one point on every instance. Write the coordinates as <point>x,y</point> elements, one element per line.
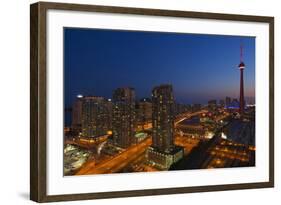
<point>134,102</point>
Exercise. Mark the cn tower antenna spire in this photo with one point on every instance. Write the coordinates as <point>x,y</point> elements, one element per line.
<point>241,51</point>
<point>241,67</point>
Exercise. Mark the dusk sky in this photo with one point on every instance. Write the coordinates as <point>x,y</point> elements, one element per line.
<point>200,67</point>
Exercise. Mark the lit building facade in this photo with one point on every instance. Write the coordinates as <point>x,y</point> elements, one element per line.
<point>77,113</point>
<point>144,113</point>
<point>163,118</point>
<point>96,116</point>
<point>124,117</point>
<point>163,153</point>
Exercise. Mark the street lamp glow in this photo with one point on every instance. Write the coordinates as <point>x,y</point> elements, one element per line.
<point>79,96</point>
<point>223,136</point>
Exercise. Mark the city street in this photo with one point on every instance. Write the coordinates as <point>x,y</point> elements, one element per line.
<point>118,162</point>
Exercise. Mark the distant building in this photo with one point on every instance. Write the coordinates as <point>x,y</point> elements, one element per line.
<point>181,108</point>
<point>227,101</point>
<point>196,107</point>
<point>163,153</point>
<point>144,112</point>
<point>235,103</point>
<point>233,106</point>
<point>96,116</point>
<point>212,104</point>
<point>124,117</point>
<point>222,103</point>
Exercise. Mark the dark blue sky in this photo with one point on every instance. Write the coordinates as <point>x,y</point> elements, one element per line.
<point>200,67</point>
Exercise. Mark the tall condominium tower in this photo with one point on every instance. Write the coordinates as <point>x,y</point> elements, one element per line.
<point>163,153</point>
<point>124,117</point>
<point>96,116</point>
<point>163,118</point>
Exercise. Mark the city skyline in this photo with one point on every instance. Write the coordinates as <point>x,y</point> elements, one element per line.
<point>114,136</point>
<point>108,72</point>
<point>134,55</point>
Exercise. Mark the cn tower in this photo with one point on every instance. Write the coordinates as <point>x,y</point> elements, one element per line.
<point>241,67</point>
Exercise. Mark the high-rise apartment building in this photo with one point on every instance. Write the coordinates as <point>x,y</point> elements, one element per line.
<point>96,116</point>
<point>163,117</point>
<point>163,153</point>
<point>124,117</point>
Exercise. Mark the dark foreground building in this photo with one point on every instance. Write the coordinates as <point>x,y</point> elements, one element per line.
<point>217,153</point>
